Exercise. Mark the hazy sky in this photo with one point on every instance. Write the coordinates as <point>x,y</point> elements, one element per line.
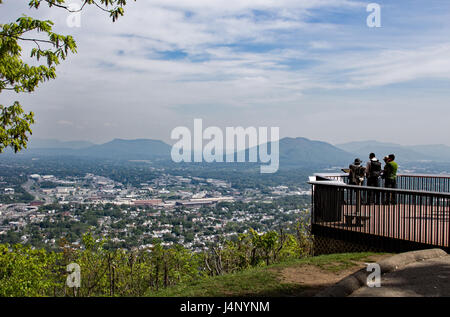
<point>311,67</point>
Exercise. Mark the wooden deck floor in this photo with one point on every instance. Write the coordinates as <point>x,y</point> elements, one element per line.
<point>418,223</point>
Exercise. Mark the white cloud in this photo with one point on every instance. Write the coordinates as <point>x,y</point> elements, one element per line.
<point>243,56</point>
<point>391,66</point>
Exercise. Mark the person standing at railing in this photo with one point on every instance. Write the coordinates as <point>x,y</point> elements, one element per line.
<point>373,173</point>
<point>356,177</point>
<point>356,174</point>
<point>390,177</point>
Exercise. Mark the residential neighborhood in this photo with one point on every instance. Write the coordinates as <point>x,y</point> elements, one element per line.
<point>189,211</point>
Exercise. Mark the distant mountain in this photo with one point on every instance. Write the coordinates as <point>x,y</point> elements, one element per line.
<point>139,149</point>
<point>414,153</point>
<point>57,144</point>
<point>300,151</point>
<point>294,152</point>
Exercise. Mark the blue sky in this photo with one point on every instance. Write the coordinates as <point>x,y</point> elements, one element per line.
<point>311,67</point>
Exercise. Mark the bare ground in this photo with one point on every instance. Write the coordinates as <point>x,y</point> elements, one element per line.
<point>314,279</point>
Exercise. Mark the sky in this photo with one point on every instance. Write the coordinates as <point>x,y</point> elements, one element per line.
<point>313,68</point>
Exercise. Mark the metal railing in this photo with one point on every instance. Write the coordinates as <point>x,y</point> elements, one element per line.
<point>421,182</point>
<point>417,211</point>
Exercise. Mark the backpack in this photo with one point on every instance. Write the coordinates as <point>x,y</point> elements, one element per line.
<point>357,174</point>
<point>375,169</point>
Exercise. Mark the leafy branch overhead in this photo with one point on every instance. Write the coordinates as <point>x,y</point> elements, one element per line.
<point>18,76</point>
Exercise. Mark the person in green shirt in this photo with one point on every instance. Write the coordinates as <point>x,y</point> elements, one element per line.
<point>390,176</point>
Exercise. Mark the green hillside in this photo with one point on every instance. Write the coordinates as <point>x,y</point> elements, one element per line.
<point>255,265</point>
<point>301,277</point>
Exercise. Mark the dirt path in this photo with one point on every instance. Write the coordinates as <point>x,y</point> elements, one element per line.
<point>315,278</point>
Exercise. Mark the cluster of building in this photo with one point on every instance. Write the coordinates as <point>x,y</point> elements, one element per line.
<point>155,207</point>
<point>98,189</point>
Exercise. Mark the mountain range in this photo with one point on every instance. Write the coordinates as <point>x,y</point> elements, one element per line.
<point>293,151</point>
<point>138,149</point>
<point>36,143</point>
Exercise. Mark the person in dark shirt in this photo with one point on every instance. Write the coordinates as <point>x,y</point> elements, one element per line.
<point>356,174</point>
<point>355,177</point>
<point>373,173</point>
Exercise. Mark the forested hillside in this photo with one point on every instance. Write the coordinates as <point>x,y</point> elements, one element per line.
<point>25,271</point>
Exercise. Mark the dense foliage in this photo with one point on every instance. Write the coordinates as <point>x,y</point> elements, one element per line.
<point>30,272</point>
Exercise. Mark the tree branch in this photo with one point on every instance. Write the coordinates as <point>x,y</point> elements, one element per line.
<point>66,7</point>
<point>38,40</point>
<point>100,7</point>
<point>74,11</point>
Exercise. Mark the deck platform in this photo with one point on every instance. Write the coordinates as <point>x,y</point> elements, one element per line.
<point>417,223</point>
<point>416,213</point>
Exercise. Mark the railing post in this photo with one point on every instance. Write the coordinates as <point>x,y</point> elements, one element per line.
<point>358,202</point>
